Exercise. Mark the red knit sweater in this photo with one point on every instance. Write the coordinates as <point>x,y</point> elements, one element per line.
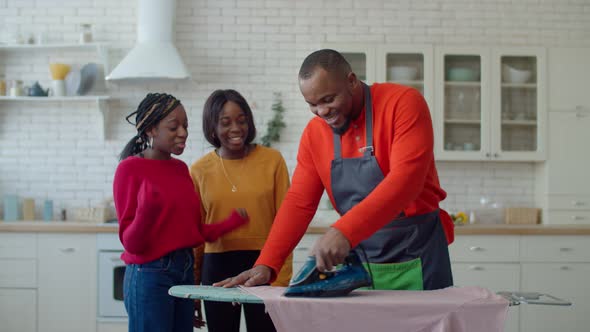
<point>403,141</point>
<point>159,210</point>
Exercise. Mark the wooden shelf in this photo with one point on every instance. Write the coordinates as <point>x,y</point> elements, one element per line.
<point>18,47</point>
<point>519,85</point>
<point>531,123</point>
<point>463,121</point>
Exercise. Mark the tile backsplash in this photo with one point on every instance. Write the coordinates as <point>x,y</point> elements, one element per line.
<point>53,150</point>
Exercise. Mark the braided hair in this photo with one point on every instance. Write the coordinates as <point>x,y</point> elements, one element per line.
<point>152,109</point>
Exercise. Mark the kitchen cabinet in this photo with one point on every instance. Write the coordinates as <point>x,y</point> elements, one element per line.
<point>489,262</point>
<point>563,183</point>
<point>490,104</point>
<point>41,55</point>
<point>556,265</point>
<point>18,282</point>
<point>410,65</point>
<point>67,282</point>
<point>560,266</point>
<point>565,175</point>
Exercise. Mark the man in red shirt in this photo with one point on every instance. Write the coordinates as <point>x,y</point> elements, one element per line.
<point>371,149</point>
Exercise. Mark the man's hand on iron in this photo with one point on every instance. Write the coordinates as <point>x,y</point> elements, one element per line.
<point>330,250</point>
<point>258,275</point>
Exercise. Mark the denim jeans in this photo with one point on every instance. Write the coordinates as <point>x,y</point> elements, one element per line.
<point>146,298</point>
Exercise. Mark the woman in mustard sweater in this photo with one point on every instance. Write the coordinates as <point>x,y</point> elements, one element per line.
<point>249,175</point>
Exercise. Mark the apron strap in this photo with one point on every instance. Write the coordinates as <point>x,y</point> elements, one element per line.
<point>368,149</point>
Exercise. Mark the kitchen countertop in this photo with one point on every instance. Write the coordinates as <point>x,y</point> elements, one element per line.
<point>500,229</point>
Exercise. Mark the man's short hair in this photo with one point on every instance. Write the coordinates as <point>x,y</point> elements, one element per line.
<point>329,60</point>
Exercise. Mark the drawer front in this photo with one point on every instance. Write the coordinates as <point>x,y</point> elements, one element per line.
<point>18,273</point>
<point>555,249</point>
<point>484,248</point>
<point>568,217</point>
<point>18,245</point>
<point>569,202</point>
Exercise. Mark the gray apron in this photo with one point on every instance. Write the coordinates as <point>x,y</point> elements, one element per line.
<point>409,253</point>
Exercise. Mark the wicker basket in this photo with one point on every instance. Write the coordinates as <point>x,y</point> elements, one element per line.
<point>522,216</point>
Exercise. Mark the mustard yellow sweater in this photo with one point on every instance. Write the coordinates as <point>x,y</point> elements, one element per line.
<point>261,179</point>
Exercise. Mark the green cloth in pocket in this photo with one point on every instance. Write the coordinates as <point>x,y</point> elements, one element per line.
<point>397,276</point>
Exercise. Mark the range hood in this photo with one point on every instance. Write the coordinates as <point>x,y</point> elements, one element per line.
<point>154,56</point>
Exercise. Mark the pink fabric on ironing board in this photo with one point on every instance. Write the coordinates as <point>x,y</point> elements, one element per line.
<point>453,309</point>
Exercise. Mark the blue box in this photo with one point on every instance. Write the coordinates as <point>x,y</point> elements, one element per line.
<point>11,208</point>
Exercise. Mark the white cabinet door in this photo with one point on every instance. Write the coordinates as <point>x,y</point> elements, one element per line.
<point>569,69</point>
<point>18,310</point>
<point>493,276</point>
<point>568,163</point>
<point>564,280</point>
<point>67,282</point>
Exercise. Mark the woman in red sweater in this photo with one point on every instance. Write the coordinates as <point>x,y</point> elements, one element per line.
<point>159,217</point>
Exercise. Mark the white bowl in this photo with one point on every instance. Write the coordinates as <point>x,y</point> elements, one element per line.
<point>402,73</point>
<point>513,75</point>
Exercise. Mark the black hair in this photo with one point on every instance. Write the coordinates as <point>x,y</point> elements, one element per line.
<point>152,109</point>
<point>212,111</point>
<point>329,60</point>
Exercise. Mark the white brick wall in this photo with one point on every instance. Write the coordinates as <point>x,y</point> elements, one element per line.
<point>254,46</point>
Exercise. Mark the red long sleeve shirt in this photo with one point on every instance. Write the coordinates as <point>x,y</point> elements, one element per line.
<point>403,140</point>
<point>159,210</point>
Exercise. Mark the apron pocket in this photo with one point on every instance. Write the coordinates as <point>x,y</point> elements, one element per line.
<point>396,276</point>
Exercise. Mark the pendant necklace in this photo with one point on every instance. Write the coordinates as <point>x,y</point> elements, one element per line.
<point>233,186</point>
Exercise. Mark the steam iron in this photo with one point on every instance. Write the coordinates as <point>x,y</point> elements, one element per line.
<point>309,282</point>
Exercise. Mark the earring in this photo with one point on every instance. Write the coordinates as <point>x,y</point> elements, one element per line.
<point>151,144</point>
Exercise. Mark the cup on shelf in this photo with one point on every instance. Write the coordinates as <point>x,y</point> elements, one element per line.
<point>48,210</point>
<point>59,88</point>
<point>468,146</point>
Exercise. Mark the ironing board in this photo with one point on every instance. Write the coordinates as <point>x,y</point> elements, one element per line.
<point>217,294</point>
<point>238,295</point>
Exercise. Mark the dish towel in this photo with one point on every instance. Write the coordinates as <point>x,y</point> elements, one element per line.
<point>453,309</point>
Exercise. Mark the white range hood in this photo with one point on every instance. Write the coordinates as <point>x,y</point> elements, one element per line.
<point>154,56</point>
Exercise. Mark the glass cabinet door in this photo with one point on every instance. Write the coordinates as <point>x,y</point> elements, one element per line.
<point>462,116</point>
<point>518,119</point>
<point>410,65</point>
<point>361,58</point>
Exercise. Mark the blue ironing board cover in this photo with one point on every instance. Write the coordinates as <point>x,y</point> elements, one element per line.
<point>210,293</point>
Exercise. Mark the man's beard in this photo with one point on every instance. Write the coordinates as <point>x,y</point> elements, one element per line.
<point>341,130</point>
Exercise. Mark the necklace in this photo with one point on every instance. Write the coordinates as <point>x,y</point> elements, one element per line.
<point>233,186</point>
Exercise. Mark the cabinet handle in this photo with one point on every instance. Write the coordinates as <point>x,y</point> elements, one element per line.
<point>476,249</point>
<point>476,268</point>
<point>65,250</point>
<point>577,218</point>
<point>577,203</point>
<point>565,268</point>
<point>580,115</point>
<point>488,155</point>
<point>496,155</point>
<point>565,249</point>
<point>579,107</point>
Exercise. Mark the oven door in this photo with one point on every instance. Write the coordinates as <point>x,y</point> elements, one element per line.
<point>111,272</point>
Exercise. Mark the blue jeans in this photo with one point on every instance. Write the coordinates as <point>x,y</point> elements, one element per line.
<point>146,298</point>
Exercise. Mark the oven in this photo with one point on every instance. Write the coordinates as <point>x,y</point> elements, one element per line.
<point>111,272</point>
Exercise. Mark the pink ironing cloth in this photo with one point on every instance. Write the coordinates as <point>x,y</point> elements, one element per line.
<point>453,309</point>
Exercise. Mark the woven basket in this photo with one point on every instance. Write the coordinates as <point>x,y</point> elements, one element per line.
<point>522,216</point>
